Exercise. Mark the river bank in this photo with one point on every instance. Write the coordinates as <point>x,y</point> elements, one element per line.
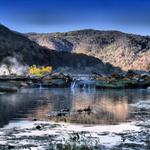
<point>58,80</point>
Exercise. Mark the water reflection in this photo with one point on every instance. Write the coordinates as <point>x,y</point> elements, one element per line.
<point>108,106</point>
<point>104,109</point>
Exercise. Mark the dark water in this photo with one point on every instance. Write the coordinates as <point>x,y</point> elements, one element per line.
<point>107,105</point>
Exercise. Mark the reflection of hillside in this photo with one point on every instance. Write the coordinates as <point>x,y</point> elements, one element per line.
<point>114,110</point>
<point>58,99</point>
<point>108,106</point>
<point>41,112</point>
<point>105,109</point>
<point>16,106</point>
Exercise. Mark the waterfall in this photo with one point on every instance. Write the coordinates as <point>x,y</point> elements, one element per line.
<point>84,82</point>
<point>40,86</point>
<point>73,84</point>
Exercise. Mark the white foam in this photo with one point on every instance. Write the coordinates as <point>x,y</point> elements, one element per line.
<point>142,104</point>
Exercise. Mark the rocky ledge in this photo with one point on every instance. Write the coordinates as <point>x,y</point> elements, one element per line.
<point>13,83</point>
<point>127,80</point>
<point>58,80</point>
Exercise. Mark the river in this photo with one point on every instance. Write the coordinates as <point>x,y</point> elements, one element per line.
<point>112,113</point>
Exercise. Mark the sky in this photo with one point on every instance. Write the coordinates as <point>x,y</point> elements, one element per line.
<point>132,16</point>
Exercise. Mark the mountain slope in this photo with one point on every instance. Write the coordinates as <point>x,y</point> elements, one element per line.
<point>27,52</point>
<point>126,51</point>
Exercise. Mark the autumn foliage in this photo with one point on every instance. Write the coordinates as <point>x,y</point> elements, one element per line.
<point>40,71</point>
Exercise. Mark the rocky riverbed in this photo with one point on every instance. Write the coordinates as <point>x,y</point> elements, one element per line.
<point>40,135</point>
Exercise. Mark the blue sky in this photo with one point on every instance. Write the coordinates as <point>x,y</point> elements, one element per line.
<point>131,16</point>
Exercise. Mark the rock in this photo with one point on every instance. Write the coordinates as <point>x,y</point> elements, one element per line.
<point>11,147</point>
<point>38,127</point>
<point>8,89</point>
<point>79,110</point>
<point>131,74</point>
<point>34,119</point>
<point>88,109</point>
<point>23,84</point>
<point>60,114</point>
<point>57,75</point>
<point>59,83</point>
<point>116,76</point>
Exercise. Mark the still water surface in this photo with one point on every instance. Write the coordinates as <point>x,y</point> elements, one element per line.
<point>108,106</point>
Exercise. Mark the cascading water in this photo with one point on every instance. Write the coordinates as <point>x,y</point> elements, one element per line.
<point>40,86</point>
<point>83,83</point>
<point>73,84</point>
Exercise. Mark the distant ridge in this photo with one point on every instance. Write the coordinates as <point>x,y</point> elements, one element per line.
<point>127,51</point>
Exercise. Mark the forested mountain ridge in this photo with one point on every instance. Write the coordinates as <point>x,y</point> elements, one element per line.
<point>127,51</point>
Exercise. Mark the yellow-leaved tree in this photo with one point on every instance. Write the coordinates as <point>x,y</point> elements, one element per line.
<point>40,71</point>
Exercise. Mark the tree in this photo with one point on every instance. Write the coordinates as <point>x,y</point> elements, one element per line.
<point>40,71</point>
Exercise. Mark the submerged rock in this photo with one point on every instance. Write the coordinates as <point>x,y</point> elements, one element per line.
<point>11,147</point>
<point>8,89</point>
<point>38,127</point>
<point>34,119</point>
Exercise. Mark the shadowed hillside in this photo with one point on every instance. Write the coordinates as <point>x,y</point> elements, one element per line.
<point>28,52</point>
